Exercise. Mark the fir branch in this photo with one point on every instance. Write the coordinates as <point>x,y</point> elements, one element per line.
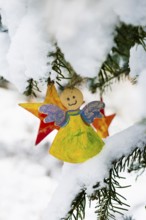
<point>109,201</point>
<point>116,65</point>
<point>32,88</point>
<point>63,69</point>
<point>77,211</point>
<point>138,157</point>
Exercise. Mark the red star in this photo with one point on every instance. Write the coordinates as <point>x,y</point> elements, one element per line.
<point>51,98</point>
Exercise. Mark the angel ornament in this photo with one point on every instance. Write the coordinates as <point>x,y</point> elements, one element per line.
<point>76,140</point>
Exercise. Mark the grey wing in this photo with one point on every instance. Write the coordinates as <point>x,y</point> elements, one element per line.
<point>92,111</point>
<point>54,114</point>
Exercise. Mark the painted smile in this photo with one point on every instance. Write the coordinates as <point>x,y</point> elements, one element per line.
<point>72,103</point>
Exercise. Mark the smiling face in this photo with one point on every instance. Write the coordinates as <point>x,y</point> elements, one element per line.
<point>71,98</point>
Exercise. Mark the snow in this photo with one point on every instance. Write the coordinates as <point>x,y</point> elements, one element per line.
<point>28,175</point>
<point>29,43</point>
<point>142,88</point>
<point>24,189</point>
<point>84,30</point>
<point>9,18</point>
<point>27,56</point>
<point>4,45</point>
<point>25,186</point>
<point>131,11</point>
<point>137,62</point>
<point>84,35</point>
<point>77,176</point>
<point>135,195</point>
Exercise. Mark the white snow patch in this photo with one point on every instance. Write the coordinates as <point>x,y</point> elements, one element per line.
<point>12,14</point>
<point>24,189</point>
<point>4,46</point>
<point>131,11</point>
<point>142,88</point>
<point>135,195</point>
<point>137,62</point>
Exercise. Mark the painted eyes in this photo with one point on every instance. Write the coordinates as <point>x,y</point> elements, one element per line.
<point>68,99</point>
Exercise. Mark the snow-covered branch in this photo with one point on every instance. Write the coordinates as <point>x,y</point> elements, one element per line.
<point>85,175</point>
<point>83,29</point>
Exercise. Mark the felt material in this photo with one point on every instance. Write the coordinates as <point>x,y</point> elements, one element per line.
<point>54,114</point>
<point>51,97</point>
<point>91,111</point>
<point>77,141</point>
<point>102,125</point>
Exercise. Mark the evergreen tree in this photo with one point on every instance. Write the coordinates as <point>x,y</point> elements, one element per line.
<point>108,200</point>
<point>113,69</point>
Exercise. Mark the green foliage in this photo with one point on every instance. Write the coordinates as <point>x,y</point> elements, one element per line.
<point>109,201</point>
<point>77,210</point>
<point>116,65</point>
<point>138,164</point>
<point>64,70</point>
<point>31,88</point>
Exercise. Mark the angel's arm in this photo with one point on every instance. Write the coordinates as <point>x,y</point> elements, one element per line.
<point>54,114</point>
<point>92,111</point>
